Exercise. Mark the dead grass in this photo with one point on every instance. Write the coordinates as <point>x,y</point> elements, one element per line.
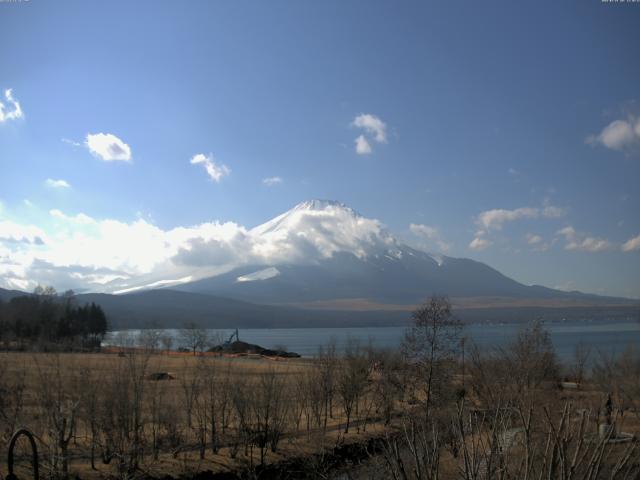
<point>92,367</point>
<point>39,367</point>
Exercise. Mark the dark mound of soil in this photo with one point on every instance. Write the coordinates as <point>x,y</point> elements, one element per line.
<point>239,347</point>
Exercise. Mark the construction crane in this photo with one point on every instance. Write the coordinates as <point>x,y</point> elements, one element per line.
<point>230,339</point>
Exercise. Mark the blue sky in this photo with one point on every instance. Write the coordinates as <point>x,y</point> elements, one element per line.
<point>504,132</point>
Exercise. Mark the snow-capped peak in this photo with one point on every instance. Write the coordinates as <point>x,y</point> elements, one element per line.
<point>321,228</point>
<point>312,207</point>
<point>320,204</point>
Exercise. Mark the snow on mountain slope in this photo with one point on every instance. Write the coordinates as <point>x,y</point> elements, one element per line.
<point>323,250</point>
<point>264,274</point>
<point>317,229</point>
<point>319,251</point>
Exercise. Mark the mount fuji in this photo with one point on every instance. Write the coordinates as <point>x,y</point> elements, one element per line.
<point>322,264</point>
<point>323,254</point>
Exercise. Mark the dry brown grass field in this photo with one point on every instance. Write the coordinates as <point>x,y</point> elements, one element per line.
<point>501,414</point>
<point>99,391</point>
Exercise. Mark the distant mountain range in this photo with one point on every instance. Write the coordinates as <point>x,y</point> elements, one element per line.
<point>172,309</point>
<point>338,268</point>
<point>6,295</point>
<point>382,280</point>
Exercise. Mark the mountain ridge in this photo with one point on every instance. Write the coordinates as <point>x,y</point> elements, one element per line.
<point>353,257</point>
<point>165,308</point>
<point>323,264</point>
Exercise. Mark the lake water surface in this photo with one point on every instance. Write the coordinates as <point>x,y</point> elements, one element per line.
<point>603,336</point>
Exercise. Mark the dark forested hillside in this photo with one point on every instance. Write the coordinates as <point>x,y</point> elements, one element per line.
<point>45,318</point>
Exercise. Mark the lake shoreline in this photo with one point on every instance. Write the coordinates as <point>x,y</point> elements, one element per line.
<point>605,336</point>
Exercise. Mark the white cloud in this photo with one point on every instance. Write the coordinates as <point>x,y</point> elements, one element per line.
<point>550,211</point>
<point>271,181</point>
<point>536,242</point>
<point>618,135</point>
<point>60,183</point>
<point>496,218</point>
<point>479,243</point>
<point>533,239</point>
<point>568,232</point>
<point>18,233</point>
<point>315,230</point>
<point>590,244</point>
<point>78,251</point>
<point>11,110</point>
<point>432,234</point>
<point>632,244</point>
<point>73,143</point>
<point>215,171</point>
<point>425,231</point>
<point>159,283</point>
<point>108,147</point>
<point>374,128</point>
<point>81,252</point>
<point>372,125</point>
<point>583,242</point>
<point>362,146</point>
<point>80,218</point>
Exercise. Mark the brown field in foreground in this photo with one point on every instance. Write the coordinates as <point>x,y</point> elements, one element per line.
<point>206,412</point>
<point>433,412</point>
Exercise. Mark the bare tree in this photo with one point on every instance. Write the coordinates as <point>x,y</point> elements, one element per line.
<point>581,356</point>
<point>327,362</point>
<point>12,395</point>
<point>224,397</point>
<point>137,365</point>
<point>390,382</point>
<point>532,358</point>
<point>91,392</point>
<point>166,342</point>
<point>316,400</point>
<point>149,338</point>
<point>353,376</point>
<point>190,385</point>
<point>59,401</point>
<point>157,406</point>
<point>414,453</point>
<point>431,344</point>
<point>122,412</point>
<point>214,394</point>
<point>516,373</point>
<point>170,425</point>
<point>193,337</point>
<point>619,376</point>
<point>544,443</point>
<point>242,411</point>
<point>269,411</point>
<point>488,376</point>
<point>201,406</point>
